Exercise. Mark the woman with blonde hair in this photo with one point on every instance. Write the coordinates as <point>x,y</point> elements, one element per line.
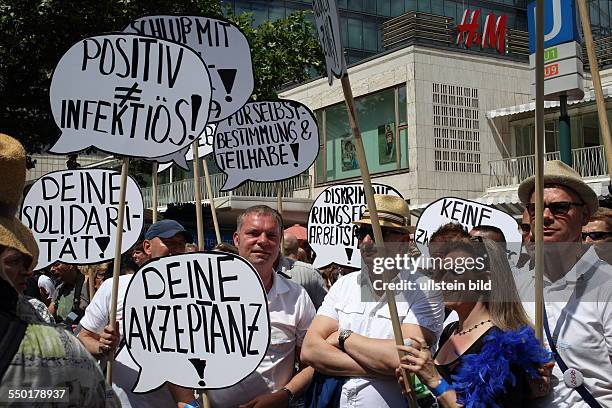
<point>490,356</point>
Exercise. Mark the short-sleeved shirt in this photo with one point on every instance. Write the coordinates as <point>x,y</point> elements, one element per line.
<point>344,303</point>
<point>125,371</point>
<point>291,312</point>
<point>305,275</point>
<point>51,357</point>
<point>579,311</point>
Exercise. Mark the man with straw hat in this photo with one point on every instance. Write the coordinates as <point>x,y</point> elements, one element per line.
<point>35,355</point>
<point>352,335</point>
<point>577,291</point>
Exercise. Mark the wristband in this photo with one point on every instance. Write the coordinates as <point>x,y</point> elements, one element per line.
<point>441,388</point>
<point>289,394</point>
<point>193,404</point>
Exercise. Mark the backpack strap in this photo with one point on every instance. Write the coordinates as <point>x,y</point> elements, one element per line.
<point>12,331</point>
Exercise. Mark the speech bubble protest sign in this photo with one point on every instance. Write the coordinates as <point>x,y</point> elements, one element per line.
<point>469,214</point>
<point>222,46</point>
<point>129,95</point>
<point>328,28</point>
<point>205,146</point>
<point>73,215</point>
<point>197,320</point>
<point>330,223</point>
<point>266,141</point>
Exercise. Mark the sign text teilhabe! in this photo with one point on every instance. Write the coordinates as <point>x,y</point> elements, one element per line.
<point>73,216</point>
<point>266,141</point>
<point>198,320</point>
<point>129,95</point>
<point>331,232</point>
<point>221,45</point>
<point>469,214</point>
<point>328,29</point>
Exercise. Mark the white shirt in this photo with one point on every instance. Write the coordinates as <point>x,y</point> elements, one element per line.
<point>579,311</point>
<point>125,371</point>
<point>291,312</point>
<point>345,304</point>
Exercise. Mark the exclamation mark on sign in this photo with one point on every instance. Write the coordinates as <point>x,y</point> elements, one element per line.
<point>103,244</point>
<point>349,254</point>
<point>295,149</point>
<point>199,365</point>
<point>196,102</point>
<point>228,76</point>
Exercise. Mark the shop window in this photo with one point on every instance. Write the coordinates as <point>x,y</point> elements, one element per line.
<point>385,140</point>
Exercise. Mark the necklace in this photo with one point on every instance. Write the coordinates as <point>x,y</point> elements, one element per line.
<point>461,333</point>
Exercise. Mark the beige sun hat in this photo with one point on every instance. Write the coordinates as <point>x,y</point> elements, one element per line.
<point>13,234</point>
<point>393,212</point>
<point>557,172</point>
<point>13,171</point>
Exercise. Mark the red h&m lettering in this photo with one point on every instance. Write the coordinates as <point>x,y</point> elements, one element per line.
<point>468,31</point>
<point>495,35</point>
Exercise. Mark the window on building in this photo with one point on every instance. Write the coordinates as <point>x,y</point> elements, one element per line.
<point>385,140</point>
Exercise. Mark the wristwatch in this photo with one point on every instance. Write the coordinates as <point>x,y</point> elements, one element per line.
<point>289,393</point>
<point>344,334</point>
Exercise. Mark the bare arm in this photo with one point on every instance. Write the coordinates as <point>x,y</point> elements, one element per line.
<point>181,395</point>
<point>99,344</point>
<point>380,355</point>
<point>324,357</point>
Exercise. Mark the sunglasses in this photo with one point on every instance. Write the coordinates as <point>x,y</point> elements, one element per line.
<point>525,228</point>
<point>362,231</point>
<point>558,208</point>
<point>596,235</point>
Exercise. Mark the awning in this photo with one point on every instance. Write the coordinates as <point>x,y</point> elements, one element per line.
<point>529,107</point>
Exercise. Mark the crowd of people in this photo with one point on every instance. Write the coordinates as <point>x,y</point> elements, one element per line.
<point>332,340</point>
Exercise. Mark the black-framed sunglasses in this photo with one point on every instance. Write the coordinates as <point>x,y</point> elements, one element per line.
<point>556,208</point>
<point>596,235</point>
<point>362,231</point>
<point>525,227</point>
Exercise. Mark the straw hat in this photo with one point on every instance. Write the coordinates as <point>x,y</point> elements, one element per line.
<point>13,234</point>
<point>13,171</point>
<point>393,212</point>
<point>557,172</point>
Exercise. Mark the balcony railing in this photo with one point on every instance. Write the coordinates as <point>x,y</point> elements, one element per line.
<point>183,191</point>
<point>587,161</point>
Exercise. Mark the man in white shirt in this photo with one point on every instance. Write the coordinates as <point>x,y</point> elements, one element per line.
<point>577,292</point>
<point>352,335</point>
<point>166,237</point>
<point>275,382</point>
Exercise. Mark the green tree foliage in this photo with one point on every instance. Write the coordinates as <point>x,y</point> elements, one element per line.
<point>36,33</point>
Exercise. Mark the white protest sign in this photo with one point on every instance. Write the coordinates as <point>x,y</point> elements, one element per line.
<point>328,28</point>
<point>129,95</point>
<point>331,232</point>
<point>198,320</point>
<point>266,141</point>
<point>469,214</point>
<point>182,157</point>
<point>73,215</point>
<point>222,46</point>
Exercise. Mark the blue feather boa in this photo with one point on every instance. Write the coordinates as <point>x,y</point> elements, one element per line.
<point>483,377</point>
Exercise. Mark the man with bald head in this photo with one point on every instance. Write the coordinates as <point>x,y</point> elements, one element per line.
<point>577,291</point>
<point>290,246</point>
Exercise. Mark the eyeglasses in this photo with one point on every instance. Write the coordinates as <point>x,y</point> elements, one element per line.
<point>525,228</point>
<point>362,231</point>
<point>558,208</point>
<point>596,235</point>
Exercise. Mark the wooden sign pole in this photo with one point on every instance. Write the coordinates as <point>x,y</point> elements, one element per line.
<point>198,196</point>
<point>117,261</point>
<point>154,191</point>
<point>539,171</point>
<point>211,200</point>
<point>378,237</point>
<point>601,105</point>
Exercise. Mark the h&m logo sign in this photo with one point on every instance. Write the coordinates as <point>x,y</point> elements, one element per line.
<point>493,33</point>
